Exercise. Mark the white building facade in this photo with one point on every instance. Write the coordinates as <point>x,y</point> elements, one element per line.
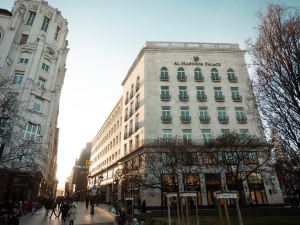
<point>195,91</point>
<point>33,52</point>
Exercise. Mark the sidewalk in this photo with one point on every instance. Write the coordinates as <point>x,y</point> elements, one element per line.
<point>101,217</point>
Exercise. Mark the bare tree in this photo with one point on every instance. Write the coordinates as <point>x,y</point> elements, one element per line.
<point>238,157</point>
<point>15,153</point>
<point>276,83</point>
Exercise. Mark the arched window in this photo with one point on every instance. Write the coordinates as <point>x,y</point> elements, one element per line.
<point>198,74</point>
<point>24,58</point>
<point>231,75</point>
<point>46,66</point>
<point>215,75</point>
<point>164,75</point>
<point>181,74</point>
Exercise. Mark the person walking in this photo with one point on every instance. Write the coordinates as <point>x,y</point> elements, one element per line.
<point>122,217</point>
<point>87,202</point>
<point>64,211</point>
<point>72,214</point>
<point>144,206</point>
<point>53,207</point>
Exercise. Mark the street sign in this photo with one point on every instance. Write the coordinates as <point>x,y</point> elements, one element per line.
<point>94,190</point>
<point>128,199</point>
<point>226,195</point>
<point>171,195</point>
<point>187,194</point>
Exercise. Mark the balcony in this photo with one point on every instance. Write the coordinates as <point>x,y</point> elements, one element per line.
<point>237,98</point>
<point>126,101</point>
<point>165,97</point>
<point>164,77</point>
<point>216,78</point>
<point>183,97</point>
<point>137,86</point>
<point>220,98</point>
<point>131,112</point>
<point>181,77</point>
<point>166,119</point>
<point>204,119</point>
<point>126,117</point>
<point>223,119</point>
<point>185,119</point>
<point>136,126</point>
<point>232,78</point>
<point>241,119</point>
<point>202,97</point>
<point>137,105</point>
<point>199,78</point>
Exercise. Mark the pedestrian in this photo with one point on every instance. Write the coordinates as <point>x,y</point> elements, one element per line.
<point>135,222</point>
<point>64,211</point>
<point>139,202</point>
<point>72,214</point>
<point>53,207</point>
<point>87,202</point>
<point>144,206</point>
<point>47,205</point>
<point>34,207</point>
<point>122,217</point>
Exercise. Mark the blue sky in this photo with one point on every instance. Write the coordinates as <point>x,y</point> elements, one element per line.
<point>104,39</point>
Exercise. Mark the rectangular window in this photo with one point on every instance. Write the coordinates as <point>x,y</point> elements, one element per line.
<point>244,133</point>
<point>225,131</point>
<point>201,96</point>
<point>136,126</point>
<point>240,115</point>
<point>41,82</point>
<point>167,133</point>
<point>236,94</point>
<point>187,134</point>
<point>250,158</point>
<point>32,132</point>
<point>222,115</point>
<point>45,67</point>
<point>45,24</point>
<point>164,93</point>
<point>24,39</point>
<point>57,32</point>
<point>37,105</point>
<point>204,117</point>
<point>23,61</point>
<point>218,94</point>
<point>183,95</point>
<point>184,114</point>
<point>18,78</point>
<point>206,134</point>
<point>166,114</point>
<point>31,17</point>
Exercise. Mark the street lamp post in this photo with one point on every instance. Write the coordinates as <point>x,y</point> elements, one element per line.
<point>94,192</point>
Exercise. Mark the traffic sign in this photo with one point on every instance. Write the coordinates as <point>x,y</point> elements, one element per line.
<point>88,163</point>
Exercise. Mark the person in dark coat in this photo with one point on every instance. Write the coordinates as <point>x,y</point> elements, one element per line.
<point>87,202</point>
<point>122,217</point>
<point>64,211</point>
<point>144,206</point>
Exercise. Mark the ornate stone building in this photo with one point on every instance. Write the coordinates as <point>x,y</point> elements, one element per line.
<point>194,91</point>
<point>33,52</point>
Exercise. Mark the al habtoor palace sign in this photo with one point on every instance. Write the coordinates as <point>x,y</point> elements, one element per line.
<point>195,63</point>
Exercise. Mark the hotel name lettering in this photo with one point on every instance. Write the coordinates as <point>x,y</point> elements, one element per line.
<point>196,64</point>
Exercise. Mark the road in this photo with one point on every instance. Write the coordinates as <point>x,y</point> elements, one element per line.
<point>102,216</point>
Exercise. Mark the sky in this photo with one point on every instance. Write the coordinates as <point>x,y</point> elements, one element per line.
<point>105,37</point>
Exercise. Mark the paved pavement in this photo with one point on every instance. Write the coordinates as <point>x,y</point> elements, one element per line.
<point>102,216</point>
